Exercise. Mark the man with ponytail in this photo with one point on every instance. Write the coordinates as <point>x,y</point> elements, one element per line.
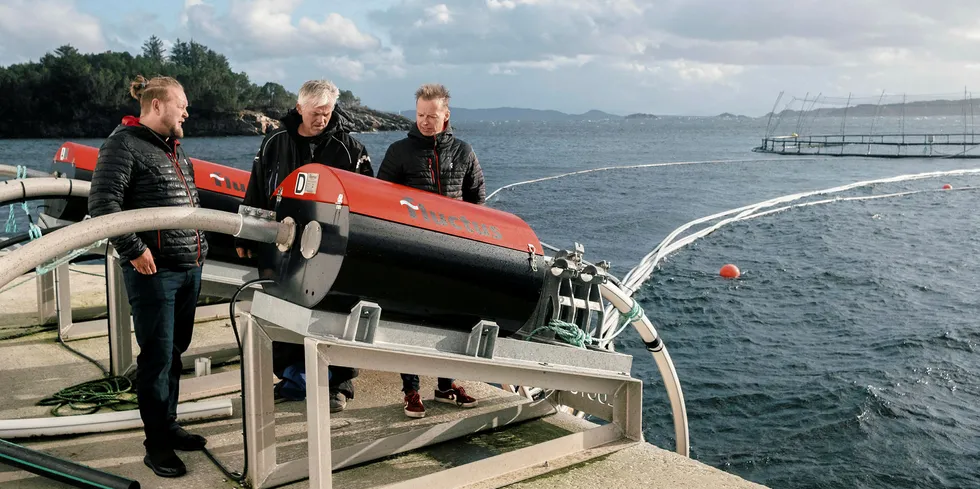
<point>141,165</point>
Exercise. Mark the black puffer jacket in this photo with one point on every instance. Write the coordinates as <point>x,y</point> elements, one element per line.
<point>441,164</point>
<point>284,150</point>
<point>138,168</point>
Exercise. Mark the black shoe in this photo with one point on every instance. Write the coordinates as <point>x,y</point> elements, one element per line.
<point>186,442</point>
<point>164,462</point>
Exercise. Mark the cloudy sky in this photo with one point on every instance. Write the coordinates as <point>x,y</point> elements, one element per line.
<point>685,57</point>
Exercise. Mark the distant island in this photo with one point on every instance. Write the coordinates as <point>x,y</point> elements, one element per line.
<point>730,116</point>
<point>502,114</point>
<point>67,94</point>
<point>515,114</point>
<point>928,108</point>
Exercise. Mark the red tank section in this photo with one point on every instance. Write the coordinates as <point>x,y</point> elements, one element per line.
<point>404,205</point>
<point>208,176</point>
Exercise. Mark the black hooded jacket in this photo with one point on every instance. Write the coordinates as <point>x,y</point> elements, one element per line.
<point>440,164</point>
<point>137,168</point>
<point>284,150</point>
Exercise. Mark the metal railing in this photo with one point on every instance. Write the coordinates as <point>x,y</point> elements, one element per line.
<point>959,145</point>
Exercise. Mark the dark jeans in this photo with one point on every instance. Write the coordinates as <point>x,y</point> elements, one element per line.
<point>286,354</point>
<point>410,382</point>
<point>163,307</point>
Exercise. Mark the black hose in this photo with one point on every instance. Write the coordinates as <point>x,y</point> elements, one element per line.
<point>238,476</point>
<point>61,470</point>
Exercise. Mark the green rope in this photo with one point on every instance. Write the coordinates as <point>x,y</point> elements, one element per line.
<point>115,393</point>
<point>34,232</point>
<point>636,312</point>
<point>51,265</point>
<point>567,332</point>
<point>11,226</point>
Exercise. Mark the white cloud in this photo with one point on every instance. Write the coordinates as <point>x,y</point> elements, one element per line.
<point>254,29</point>
<point>742,52</point>
<point>29,29</point>
<point>336,30</point>
<point>188,4</point>
<point>439,13</point>
<point>551,63</point>
<point>704,72</point>
<point>343,67</point>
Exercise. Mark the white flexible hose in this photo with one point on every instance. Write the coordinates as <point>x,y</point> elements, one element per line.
<point>634,278</point>
<point>29,256</point>
<point>644,165</point>
<point>105,422</point>
<point>624,303</point>
<point>33,188</point>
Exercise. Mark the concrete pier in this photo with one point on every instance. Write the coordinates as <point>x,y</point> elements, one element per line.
<point>35,366</point>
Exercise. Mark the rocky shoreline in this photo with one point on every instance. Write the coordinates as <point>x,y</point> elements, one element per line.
<point>199,124</point>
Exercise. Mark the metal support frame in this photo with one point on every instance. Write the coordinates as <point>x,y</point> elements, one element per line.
<point>216,278</point>
<point>120,330</point>
<point>362,339</point>
<point>54,302</point>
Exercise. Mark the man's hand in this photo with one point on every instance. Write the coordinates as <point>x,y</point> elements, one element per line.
<point>242,252</point>
<point>144,264</point>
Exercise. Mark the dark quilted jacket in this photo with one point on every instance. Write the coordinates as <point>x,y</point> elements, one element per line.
<point>137,168</point>
<point>441,164</point>
<point>284,150</point>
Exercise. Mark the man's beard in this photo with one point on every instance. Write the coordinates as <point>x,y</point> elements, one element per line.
<point>176,132</point>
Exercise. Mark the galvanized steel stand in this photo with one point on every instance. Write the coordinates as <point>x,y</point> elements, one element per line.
<point>362,339</point>
<point>54,301</point>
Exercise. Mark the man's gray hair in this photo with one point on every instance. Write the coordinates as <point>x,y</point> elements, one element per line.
<point>433,91</point>
<point>317,93</point>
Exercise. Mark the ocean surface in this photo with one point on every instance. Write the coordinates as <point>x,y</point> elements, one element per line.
<point>848,353</point>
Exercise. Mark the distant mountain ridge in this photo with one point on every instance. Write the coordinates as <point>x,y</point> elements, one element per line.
<point>500,114</point>
<point>926,108</point>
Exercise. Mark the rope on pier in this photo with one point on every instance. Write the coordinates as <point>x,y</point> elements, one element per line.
<point>115,393</point>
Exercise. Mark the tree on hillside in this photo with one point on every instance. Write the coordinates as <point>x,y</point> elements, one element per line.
<point>66,51</point>
<point>347,99</point>
<point>66,86</point>
<point>153,49</point>
<point>274,95</point>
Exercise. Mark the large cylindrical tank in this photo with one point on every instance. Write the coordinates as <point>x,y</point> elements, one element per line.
<point>219,187</point>
<point>419,255</point>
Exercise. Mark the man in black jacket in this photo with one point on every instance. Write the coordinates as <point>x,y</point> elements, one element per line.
<point>317,131</point>
<point>432,159</point>
<point>142,165</point>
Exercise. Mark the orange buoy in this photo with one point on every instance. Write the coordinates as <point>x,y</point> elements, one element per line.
<point>730,271</point>
<point>947,186</point>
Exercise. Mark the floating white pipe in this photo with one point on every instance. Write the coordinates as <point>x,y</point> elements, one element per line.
<point>104,422</point>
<point>34,188</point>
<point>643,165</point>
<point>642,271</point>
<point>13,171</point>
<point>624,303</point>
<point>50,246</point>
